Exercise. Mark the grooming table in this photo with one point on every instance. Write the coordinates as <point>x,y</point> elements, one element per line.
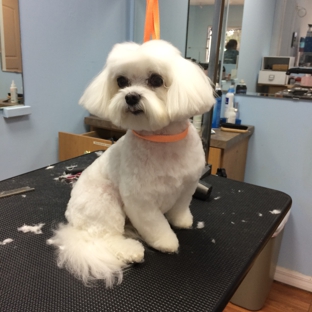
<point>203,276</point>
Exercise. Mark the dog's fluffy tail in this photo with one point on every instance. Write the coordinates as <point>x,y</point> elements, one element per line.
<point>86,256</point>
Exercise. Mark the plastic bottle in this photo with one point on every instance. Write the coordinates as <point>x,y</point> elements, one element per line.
<point>13,91</point>
<point>308,40</point>
<point>229,112</point>
<point>241,88</point>
<point>217,107</point>
<point>231,115</point>
<point>301,44</point>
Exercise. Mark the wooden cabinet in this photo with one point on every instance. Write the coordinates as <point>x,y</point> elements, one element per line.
<point>227,149</point>
<point>101,137</point>
<point>72,145</point>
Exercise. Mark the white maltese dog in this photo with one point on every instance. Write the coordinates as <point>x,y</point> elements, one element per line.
<point>149,176</point>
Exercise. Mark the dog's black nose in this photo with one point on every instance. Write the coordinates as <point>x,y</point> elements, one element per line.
<point>132,98</point>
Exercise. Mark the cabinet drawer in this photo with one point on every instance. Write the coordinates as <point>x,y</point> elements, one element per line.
<point>272,77</point>
<point>73,145</point>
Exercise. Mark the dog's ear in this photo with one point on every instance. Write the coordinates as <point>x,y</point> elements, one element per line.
<point>190,92</point>
<point>97,95</point>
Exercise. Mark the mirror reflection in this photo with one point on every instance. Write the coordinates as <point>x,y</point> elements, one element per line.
<point>10,49</point>
<point>272,38</point>
<point>200,33</point>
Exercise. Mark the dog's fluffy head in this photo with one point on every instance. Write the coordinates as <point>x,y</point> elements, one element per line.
<point>148,86</point>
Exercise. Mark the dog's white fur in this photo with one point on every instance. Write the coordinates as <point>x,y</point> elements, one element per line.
<point>149,183</point>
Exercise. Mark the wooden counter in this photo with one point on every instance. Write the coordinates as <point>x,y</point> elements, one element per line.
<point>224,139</point>
<point>227,149</point>
<point>6,103</point>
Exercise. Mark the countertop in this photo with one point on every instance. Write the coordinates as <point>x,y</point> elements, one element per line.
<point>223,139</point>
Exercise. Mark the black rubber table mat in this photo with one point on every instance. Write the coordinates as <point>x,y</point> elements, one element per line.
<point>202,277</point>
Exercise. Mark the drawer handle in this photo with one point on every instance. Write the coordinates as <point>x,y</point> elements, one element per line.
<point>87,152</point>
<point>271,77</point>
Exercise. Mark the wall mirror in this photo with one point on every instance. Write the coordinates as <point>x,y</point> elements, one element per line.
<point>262,28</point>
<point>200,33</point>
<point>10,49</point>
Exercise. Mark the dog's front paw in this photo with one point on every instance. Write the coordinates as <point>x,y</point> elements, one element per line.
<point>166,243</point>
<point>180,219</point>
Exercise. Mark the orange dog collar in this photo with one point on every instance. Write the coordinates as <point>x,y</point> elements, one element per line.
<point>165,138</point>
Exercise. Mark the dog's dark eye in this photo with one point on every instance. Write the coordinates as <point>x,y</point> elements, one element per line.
<point>155,81</point>
<point>123,82</point>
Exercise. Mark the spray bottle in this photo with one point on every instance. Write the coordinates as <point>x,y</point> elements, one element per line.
<point>229,112</point>
<point>13,91</point>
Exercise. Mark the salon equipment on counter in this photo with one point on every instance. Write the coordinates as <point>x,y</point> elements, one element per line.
<point>13,92</point>
<point>241,87</point>
<point>203,189</point>
<point>16,191</point>
<point>221,172</point>
<point>299,70</point>
<point>298,92</point>
<point>234,128</point>
<point>229,110</point>
<point>74,170</point>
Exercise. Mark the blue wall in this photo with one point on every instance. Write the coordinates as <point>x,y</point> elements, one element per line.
<point>279,157</point>
<point>255,39</point>
<point>173,21</point>
<point>64,46</point>
<point>279,154</point>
